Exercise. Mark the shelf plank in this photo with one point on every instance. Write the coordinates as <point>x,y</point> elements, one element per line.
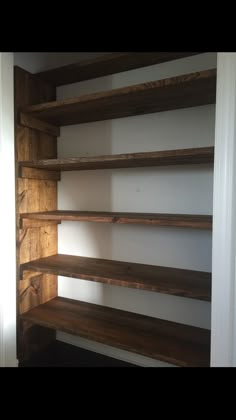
<point>106,65</point>
<point>159,219</point>
<point>171,342</point>
<point>173,281</point>
<point>128,160</point>
<point>173,93</point>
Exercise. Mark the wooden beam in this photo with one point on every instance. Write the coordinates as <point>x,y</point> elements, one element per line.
<point>173,281</point>
<point>157,219</point>
<point>32,173</point>
<point>106,65</point>
<point>183,91</point>
<point>29,223</point>
<point>31,122</point>
<point>33,195</point>
<point>168,341</point>
<point>128,160</point>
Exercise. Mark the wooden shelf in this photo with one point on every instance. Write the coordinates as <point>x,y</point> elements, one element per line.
<point>167,341</point>
<point>173,281</point>
<point>177,92</point>
<point>38,111</point>
<point>159,219</point>
<point>130,160</point>
<point>106,65</point>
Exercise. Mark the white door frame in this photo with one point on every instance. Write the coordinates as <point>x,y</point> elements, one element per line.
<point>7,215</point>
<point>223,334</point>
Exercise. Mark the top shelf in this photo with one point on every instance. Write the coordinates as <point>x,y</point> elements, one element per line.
<point>107,65</point>
<point>183,91</point>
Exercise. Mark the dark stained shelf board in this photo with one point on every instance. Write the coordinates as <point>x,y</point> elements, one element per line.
<point>130,160</point>
<point>183,91</point>
<point>159,219</point>
<point>171,342</point>
<point>106,65</point>
<point>173,281</point>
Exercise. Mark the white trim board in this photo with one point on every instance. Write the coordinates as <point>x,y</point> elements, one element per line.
<point>223,335</point>
<point>7,215</point>
<point>2,347</point>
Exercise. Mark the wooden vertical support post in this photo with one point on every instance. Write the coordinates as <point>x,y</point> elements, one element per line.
<point>33,195</point>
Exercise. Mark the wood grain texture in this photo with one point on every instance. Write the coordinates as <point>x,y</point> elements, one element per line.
<point>36,195</point>
<point>35,290</point>
<point>129,160</point>
<point>37,242</point>
<point>32,122</point>
<point>173,281</point>
<point>33,144</point>
<point>177,92</point>
<point>157,219</point>
<point>30,173</point>
<point>30,223</point>
<point>33,195</point>
<point>106,65</point>
<point>170,342</point>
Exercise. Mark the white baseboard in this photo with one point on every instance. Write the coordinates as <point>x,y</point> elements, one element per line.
<point>110,351</point>
<point>10,364</point>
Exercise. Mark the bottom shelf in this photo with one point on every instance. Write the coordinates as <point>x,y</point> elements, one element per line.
<point>167,341</point>
<point>59,354</point>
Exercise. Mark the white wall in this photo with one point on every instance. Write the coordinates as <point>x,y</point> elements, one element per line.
<point>35,61</point>
<point>173,190</point>
<point>7,215</point>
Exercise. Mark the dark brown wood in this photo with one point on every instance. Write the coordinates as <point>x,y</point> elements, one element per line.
<point>106,65</point>
<point>31,122</point>
<point>129,160</point>
<point>173,281</point>
<point>33,340</point>
<point>167,341</point>
<point>177,92</point>
<point>33,195</point>
<point>159,219</point>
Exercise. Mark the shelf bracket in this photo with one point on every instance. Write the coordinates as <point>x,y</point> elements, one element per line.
<point>39,125</point>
